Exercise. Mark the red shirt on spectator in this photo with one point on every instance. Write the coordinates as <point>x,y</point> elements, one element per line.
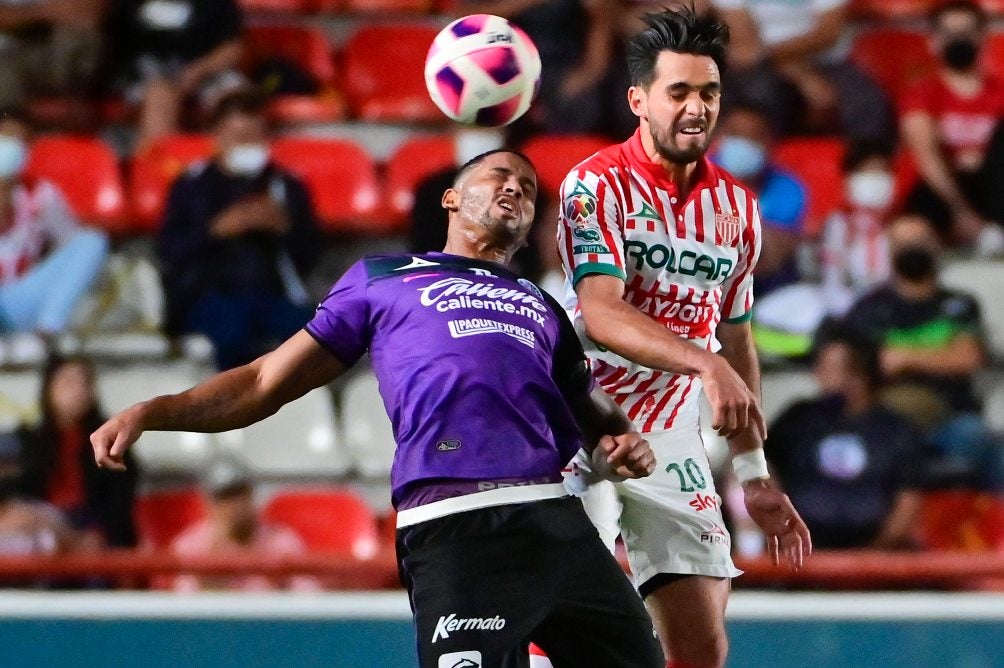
<point>965,124</point>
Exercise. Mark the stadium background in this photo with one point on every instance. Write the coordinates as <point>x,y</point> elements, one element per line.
<point>362,143</point>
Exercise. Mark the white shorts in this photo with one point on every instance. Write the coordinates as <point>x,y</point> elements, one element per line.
<point>671,521</point>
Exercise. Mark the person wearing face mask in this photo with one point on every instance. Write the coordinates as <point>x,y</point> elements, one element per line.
<point>48,260</point>
<point>853,466</point>
<point>931,344</point>
<point>238,235</point>
<point>948,123</point>
<point>744,150</point>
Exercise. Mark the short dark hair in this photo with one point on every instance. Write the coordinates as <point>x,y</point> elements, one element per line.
<point>863,150</point>
<point>249,101</point>
<point>478,159</point>
<point>680,30</point>
<point>864,352</point>
<point>974,8</point>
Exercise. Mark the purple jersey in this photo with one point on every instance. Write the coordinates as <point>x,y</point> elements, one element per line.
<point>474,366</point>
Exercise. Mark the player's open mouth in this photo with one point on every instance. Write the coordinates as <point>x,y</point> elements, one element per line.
<point>507,204</point>
<point>692,131</point>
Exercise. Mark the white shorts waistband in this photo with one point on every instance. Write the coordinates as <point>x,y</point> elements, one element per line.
<point>492,497</point>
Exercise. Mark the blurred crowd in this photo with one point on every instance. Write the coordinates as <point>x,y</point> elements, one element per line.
<point>869,187</point>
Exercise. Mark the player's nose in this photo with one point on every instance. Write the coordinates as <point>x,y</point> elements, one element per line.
<point>512,187</point>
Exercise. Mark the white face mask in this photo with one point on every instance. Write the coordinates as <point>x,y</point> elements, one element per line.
<point>870,190</point>
<point>246,159</point>
<point>13,155</point>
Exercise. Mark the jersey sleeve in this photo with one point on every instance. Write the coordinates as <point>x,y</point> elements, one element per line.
<point>737,291</point>
<point>590,229</point>
<point>341,323</point>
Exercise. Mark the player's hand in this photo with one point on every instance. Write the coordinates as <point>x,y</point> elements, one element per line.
<point>787,536</point>
<point>734,408</point>
<point>113,438</point>
<point>626,456</point>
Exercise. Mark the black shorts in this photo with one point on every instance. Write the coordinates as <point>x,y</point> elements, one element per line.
<point>485,583</point>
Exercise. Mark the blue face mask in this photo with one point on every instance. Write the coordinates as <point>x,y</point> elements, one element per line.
<point>13,155</point>
<point>742,157</point>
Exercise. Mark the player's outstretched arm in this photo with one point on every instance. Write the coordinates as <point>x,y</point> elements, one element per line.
<point>613,323</point>
<point>229,400</point>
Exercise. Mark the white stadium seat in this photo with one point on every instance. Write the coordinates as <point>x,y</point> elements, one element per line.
<point>368,433</point>
<point>984,279</point>
<point>783,388</point>
<point>301,439</point>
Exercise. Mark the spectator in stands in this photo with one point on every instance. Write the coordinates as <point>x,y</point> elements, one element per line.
<point>948,124</point>
<point>427,228</point>
<point>48,47</point>
<point>166,53</point>
<point>744,150</point>
<point>792,57</point>
<point>28,527</point>
<point>58,465</point>
<point>853,467</point>
<point>574,38</point>
<point>238,234</point>
<point>47,259</point>
<point>930,346</point>
<point>854,251</point>
<point>234,528</point>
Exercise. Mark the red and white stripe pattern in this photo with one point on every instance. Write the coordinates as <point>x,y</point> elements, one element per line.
<point>687,262</point>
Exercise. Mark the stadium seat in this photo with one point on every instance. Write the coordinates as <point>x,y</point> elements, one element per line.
<point>897,59</point>
<point>962,520</point>
<point>374,6</point>
<point>87,172</point>
<point>780,389</point>
<point>817,162</point>
<point>19,394</point>
<point>369,436</point>
<point>891,10</point>
<point>154,170</point>
<point>554,156</point>
<point>302,438</point>
<point>984,279</point>
<point>334,520</point>
<point>384,69</point>
<point>157,451</point>
<point>161,516</point>
<point>413,161</point>
<point>275,6</point>
<point>309,50</point>
<point>342,180</point>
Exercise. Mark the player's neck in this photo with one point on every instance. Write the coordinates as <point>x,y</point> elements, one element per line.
<point>681,175</point>
<point>476,244</point>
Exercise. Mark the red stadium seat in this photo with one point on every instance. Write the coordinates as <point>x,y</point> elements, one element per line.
<point>153,172</point>
<point>891,9</point>
<point>817,163</point>
<point>161,516</point>
<point>555,156</point>
<point>309,50</point>
<point>342,180</point>
<point>384,68</point>
<point>388,5</point>
<point>414,160</point>
<point>87,172</point>
<point>962,520</point>
<point>896,59</point>
<point>327,520</point>
<point>275,6</point>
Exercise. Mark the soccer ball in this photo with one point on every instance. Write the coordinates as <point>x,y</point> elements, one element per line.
<point>482,70</point>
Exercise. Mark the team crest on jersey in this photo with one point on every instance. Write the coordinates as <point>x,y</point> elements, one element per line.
<point>727,227</point>
<point>580,204</point>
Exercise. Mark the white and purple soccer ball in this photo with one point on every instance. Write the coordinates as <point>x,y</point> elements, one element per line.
<point>482,70</point>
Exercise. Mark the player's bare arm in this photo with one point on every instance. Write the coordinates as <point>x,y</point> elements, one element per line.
<point>613,323</point>
<point>605,426</point>
<point>229,400</point>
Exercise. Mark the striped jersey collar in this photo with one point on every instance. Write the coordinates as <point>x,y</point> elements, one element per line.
<point>705,176</point>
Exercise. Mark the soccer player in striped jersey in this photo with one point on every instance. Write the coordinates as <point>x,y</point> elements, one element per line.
<point>660,246</point>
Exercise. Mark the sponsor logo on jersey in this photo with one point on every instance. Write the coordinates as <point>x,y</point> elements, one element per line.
<point>586,234</point>
<point>451,624</point>
<point>590,248</point>
<point>469,659</point>
<point>715,536</point>
<point>448,445</point>
<point>580,204</point>
<point>417,262</point>
<point>727,227</point>
<point>704,502</point>
<point>455,292</point>
<point>686,262</point>
<point>477,326</point>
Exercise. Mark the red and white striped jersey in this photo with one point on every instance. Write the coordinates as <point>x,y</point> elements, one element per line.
<point>687,261</point>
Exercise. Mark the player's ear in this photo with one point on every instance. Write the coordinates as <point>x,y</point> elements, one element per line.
<point>637,97</point>
<point>451,200</point>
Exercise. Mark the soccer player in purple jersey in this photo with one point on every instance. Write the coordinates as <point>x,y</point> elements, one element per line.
<point>490,397</point>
